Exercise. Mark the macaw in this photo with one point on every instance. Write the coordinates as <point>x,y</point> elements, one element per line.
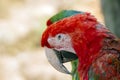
<point>77,37</point>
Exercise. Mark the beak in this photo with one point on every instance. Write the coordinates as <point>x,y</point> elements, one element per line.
<point>57,58</point>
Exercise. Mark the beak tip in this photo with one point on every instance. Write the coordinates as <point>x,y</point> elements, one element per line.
<point>57,58</point>
<point>55,61</point>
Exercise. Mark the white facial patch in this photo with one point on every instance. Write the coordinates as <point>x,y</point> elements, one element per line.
<point>61,42</point>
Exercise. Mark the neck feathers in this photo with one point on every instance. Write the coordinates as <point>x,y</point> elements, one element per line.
<point>88,48</point>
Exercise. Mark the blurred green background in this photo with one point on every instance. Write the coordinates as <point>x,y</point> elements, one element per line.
<point>21,25</point>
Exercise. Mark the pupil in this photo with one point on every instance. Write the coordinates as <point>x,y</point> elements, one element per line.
<point>59,37</point>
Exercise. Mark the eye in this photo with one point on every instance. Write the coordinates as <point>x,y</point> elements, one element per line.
<point>59,36</point>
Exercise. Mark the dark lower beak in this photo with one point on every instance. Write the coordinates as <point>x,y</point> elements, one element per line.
<point>57,58</point>
<point>65,56</point>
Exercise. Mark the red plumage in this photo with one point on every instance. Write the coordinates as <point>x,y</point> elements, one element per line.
<point>78,27</point>
<point>87,36</point>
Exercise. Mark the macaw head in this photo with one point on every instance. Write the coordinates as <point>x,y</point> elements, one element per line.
<point>72,35</point>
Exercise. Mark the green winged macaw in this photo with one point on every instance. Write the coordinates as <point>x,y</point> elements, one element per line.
<point>77,37</point>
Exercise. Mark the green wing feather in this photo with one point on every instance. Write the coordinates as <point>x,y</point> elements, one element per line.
<point>75,75</point>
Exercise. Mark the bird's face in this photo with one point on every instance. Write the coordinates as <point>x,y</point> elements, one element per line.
<point>61,42</point>
<point>61,51</point>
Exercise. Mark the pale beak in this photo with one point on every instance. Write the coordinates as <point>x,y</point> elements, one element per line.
<point>57,58</point>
